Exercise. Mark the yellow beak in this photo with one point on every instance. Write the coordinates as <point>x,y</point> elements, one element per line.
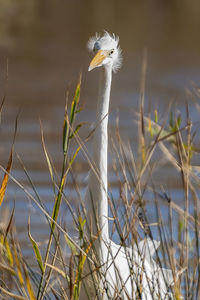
<point>97,60</point>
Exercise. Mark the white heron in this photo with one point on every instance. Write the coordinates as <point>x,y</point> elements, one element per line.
<point>124,272</point>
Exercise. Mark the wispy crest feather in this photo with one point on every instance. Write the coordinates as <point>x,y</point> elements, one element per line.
<point>92,41</point>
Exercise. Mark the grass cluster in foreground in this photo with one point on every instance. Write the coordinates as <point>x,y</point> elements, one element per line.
<point>178,234</point>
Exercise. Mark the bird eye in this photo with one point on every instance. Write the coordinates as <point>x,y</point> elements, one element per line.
<point>111,52</point>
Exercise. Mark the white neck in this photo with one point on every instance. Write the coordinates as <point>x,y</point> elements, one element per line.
<point>98,186</point>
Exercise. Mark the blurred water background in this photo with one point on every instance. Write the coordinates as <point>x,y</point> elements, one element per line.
<point>43,50</point>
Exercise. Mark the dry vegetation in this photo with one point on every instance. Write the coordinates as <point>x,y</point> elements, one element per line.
<point>179,250</point>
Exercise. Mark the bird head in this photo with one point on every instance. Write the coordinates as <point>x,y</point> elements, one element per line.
<point>107,51</point>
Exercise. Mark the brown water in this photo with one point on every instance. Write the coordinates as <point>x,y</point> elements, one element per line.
<point>44,43</point>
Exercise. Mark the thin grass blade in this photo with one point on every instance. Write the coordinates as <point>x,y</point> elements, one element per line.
<point>1,106</point>
<point>71,245</point>
<point>75,102</point>
<point>75,131</point>
<point>5,178</point>
<point>17,260</point>
<point>47,159</point>
<point>11,295</point>
<point>29,285</point>
<point>65,131</point>
<point>9,253</point>
<point>8,269</point>
<point>36,249</point>
<point>62,273</point>
<point>58,202</point>
<point>10,222</point>
<point>8,169</point>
